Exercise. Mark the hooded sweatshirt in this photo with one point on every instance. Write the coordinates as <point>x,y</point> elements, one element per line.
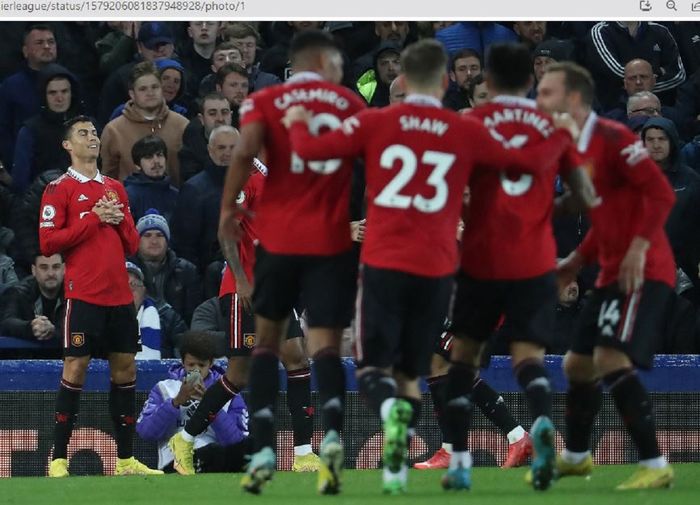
<point>120,135</point>
<point>39,146</point>
<point>160,419</point>
<point>683,225</point>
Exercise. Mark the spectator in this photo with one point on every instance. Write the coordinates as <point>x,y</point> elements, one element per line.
<point>8,275</point>
<point>196,218</point>
<point>208,318</point>
<point>214,111</point>
<point>478,92</point>
<point>276,59</point>
<point>19,95</point>
<point>145,113</point>
<point>643,103</point>
<point>638,82</point>
<point>224,445</point>
<point>568,308</point>
<point>387,32</point>
<point>198,50</point>
<point>149,186</point>
<point>246,38</point>
<point>168,279</point>
<point>476,35</point>
<point>546,53</point>
<point>464,66</point>
<point>31,308</point>
<point>232,83</point>
<point>530,33</point>
<point>373,85</point>
<point>690,154</point>
<point>160,327</point>
<point>688,106</point>
<point>172,81</point>
<point>226,52</point>
<point>118,46</point>
<point>611,45</point>
<point>38,146</point>
<point>397,92</point>
<point>155,40</point>
<point>25,217</point>
<point>660,137</point>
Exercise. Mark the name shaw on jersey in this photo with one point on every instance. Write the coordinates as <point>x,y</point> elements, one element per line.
<point>532,118</point>
<point>324,95</point>
<point>428,125</point>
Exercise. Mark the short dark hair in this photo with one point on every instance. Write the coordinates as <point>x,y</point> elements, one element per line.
<point>35,26</point>
<point>424,62</point>
<point>146,147</point>
<point>68,125</point>
<point>239,30</point>
<point>198,344</point>
<point>230,68</point>
<point>141,69</point>
<point>311,39</point>
<point>38,254</point>
<point>464,53</point>
<point>509,66</point>
<point>214,95</point>
<point>576,78</point>
<point>226,45</point>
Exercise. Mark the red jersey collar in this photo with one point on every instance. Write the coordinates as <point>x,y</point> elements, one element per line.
<point>424,100</point>
<point>519,101</point>
<point>82,179</point>
<point>584,138</point>
<point>304,76</point>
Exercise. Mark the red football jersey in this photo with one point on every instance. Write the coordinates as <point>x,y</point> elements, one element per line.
<point>305,206</point>
<point>247,199</point>
<point>94,252</point>
<point>418,159</point>
<point>509,234</point>
<point>636,201</point>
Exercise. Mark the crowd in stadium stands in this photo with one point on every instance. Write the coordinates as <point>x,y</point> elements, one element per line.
<point>166,95</point>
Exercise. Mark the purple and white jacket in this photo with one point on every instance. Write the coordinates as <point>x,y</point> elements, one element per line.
<point>160,419</point>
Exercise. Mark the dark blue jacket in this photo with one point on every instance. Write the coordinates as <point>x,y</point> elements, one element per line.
<point>146,193</point>
<point>39,142</point>
<point>683,225</point>
<point>19,101</point>
<point>196,219</point>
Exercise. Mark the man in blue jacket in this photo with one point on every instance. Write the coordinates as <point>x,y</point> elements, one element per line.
<point>224,446</point>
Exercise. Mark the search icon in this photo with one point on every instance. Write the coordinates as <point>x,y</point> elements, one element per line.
<point>671,5</point>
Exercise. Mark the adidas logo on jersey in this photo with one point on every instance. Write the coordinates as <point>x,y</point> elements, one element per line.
<point>656,48</point>
<point>82,198</point>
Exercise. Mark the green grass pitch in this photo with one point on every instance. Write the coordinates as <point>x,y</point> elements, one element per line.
<point>491,486</point>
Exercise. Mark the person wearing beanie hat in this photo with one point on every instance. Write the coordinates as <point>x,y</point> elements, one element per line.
<point>169,279</point>
<point>160,327</point>
<point>152,220</point>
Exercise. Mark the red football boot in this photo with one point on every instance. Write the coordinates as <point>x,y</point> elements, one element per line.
<point>518,452</point>
<point>441,459</point>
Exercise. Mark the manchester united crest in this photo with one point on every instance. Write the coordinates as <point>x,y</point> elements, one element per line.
<point>77,339</point>
<point>112,195</point>
<point>249,340</point>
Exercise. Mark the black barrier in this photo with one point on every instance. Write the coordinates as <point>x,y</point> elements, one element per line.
<point>26,424</point>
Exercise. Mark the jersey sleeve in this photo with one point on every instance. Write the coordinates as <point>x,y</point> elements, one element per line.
<point>344,142</point>
<point>570,160</point>
<point>634,165</point>
<point>127,229</point>
<point>589,247</point>
<point>55,234</point>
